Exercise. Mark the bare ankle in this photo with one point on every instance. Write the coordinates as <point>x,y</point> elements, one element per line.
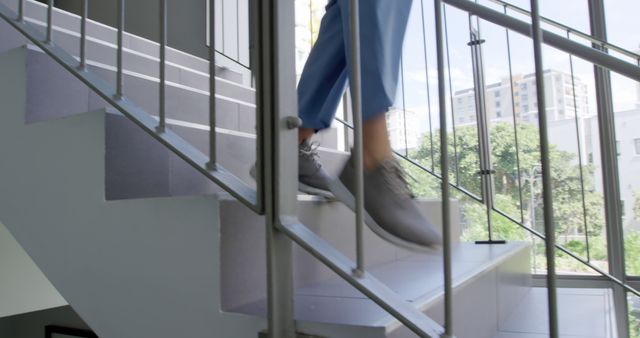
<point>305,134</point>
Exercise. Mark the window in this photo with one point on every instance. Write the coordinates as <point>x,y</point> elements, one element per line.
<point>497,104</point>
<point>497,93</point>
<point>637,144</point>
<point>498,113</point>
<point>618,147</point>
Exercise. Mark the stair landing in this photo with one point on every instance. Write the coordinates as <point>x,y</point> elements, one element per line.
<point>479,272</point>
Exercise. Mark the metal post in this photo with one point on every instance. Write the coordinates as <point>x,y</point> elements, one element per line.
<point>212,87</point>
<point>549,226</point>
<point>276,98</point>
<point>444,163</point>
<point>83,34</point>
<point>515,120</point>
<point>426,68</point>
<point>609,163</point>
<point>119,77</point>
<point>486,173</point>
<point>580,162</point>
<point>50,21</point>
<point>356,100</point>
<point>163,65</point>
<point>21,10</point>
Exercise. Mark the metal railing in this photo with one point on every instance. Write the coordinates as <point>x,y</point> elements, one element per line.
<point>275,195</point>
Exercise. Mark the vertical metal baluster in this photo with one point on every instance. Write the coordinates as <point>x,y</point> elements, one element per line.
<point>404,107</point>
<point>579,144</point>
<point>21,10</point>
<point>515,122</point>
<point>163,65</point>
<point>119,77</point>
<point>356,100</point>
<point>444,164</point>
<point>83,34</point>
<point>212,86</point>
<point>426,66</point>
<point>50,22</point>
<point>453,120</point>
<point>549,226</point>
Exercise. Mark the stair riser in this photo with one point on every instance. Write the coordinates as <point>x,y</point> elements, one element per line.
<point>243,245</point>
<point>138,166</point>
<point>140,55</point>
<point>480,305</point>
<point>45,76</point>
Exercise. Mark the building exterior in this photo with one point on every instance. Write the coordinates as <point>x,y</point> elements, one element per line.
<point>628,144</point>
<point>500,104</point>
<point>403,126</point>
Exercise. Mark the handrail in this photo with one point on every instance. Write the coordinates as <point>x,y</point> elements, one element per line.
<point>587,53</point>
<point>592,39</point>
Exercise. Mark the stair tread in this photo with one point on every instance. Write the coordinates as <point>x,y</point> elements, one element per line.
<point>417,278</point>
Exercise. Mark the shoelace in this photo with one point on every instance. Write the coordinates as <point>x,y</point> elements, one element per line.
<point>396,177</point>
<point>309,150</point>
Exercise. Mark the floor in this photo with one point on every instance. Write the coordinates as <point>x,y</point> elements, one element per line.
<point>586,313</point>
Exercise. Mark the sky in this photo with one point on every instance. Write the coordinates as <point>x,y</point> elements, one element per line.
<point>622,25</point>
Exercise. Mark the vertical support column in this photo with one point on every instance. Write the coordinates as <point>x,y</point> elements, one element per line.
<point>21,10</point>
<point>277,168</point>
<point>609,163</point>
<point>549,226</point>
<point>119,77</point>
<point>356,100</point>
<point>50,21</point>
<point>163,66</point>
<point>484,142</point>
<point>444,163</point>
<point>212,86</point>
<point>84,13</point>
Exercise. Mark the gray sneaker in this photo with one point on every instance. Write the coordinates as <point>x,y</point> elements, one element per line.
<point>390,210</point>
<point>312,177</point>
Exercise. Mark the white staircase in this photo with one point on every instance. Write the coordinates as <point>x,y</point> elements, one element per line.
<point>140,244</point>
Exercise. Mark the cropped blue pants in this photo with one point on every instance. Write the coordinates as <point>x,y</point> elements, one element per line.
<point>383,24</point>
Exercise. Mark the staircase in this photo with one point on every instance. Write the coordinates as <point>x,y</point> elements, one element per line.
<point>141,244</point>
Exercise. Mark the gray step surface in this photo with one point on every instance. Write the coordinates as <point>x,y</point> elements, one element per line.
<point>103,39</point>
<point>489,282</point>
<point>182,71</point>
<point>243,244</point>
<point>582,313</point>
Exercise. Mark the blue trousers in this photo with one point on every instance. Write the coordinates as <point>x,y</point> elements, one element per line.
<point>383,24</point>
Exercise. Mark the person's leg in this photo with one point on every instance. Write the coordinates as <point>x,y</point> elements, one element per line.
<point>320,90</point>
<point>390,209</point>
<point>324,76</point>
<point>382,29</point>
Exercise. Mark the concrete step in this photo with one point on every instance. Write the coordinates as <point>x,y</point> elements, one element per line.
<point>140,53</point>
<point>136,268</point>
<point>186,107</point>
<point>489,283</point>
<point>243,245</point>
<point>582,313</point>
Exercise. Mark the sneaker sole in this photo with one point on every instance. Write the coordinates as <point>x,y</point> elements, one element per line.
<point>304,188</point>
<point>343,195</point>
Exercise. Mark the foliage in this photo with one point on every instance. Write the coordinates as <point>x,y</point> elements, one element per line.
<point>566,183</point>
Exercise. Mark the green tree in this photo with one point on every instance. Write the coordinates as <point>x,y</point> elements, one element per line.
<point>566,183</point>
